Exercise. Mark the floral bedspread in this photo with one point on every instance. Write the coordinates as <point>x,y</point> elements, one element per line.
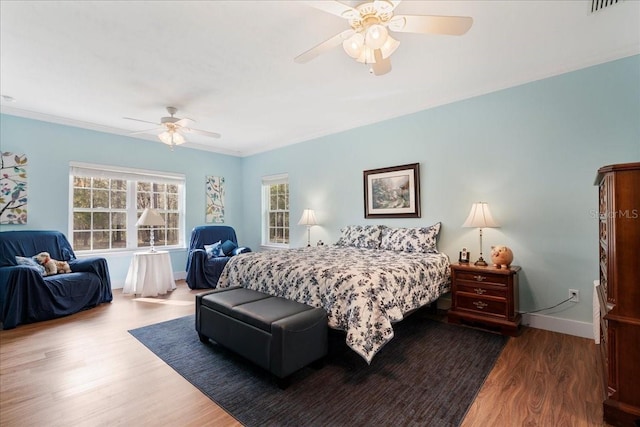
<point>364,291</point>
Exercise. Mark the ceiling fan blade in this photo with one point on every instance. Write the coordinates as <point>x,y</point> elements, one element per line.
<point>201,132</point>
<point>335,8</point>
<point>324,46</point>
<point>143,121</point>
<point>161,129</point>
<point>382,65</point>
<point>184,122</point>
<point>431,24</point>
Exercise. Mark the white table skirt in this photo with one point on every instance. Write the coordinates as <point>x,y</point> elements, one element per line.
<point>150,274</point>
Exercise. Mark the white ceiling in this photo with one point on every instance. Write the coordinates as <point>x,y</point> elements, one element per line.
<point>229,64</point>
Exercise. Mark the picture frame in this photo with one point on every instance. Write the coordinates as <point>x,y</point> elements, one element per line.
<point>392,192</point>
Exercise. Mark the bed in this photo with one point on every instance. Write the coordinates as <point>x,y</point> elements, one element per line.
<point>371,278</point>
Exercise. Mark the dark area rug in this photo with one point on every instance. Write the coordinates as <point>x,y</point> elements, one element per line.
<point>428,375</point>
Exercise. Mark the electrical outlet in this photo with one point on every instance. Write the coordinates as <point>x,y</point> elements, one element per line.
<point>574,294</point>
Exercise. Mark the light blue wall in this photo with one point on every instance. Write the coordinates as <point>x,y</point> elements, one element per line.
<point>531,152</point>
<point>50,148</point>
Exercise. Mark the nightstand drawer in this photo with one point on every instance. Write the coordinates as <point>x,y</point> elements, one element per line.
<point>489,306</point>
<point>482,277</point>
<point>482,289</point>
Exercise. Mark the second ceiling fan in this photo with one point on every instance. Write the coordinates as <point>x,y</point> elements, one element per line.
<point>171,128</point>
<point>368,40</point>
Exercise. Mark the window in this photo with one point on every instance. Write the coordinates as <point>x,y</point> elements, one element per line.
<point>275,203</point>
<point>107,201</point>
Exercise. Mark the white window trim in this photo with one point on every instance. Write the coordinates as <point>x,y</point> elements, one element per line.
<point>118,172</point>
<point>282,178</point>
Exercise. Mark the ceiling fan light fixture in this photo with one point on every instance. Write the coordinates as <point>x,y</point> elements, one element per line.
<point>353,45</point>
<point>367,56</point>
<point>172,138</point>
<point>376,36</point>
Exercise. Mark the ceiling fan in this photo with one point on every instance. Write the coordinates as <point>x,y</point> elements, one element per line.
<point>368,40</point>
<point>172,129</point>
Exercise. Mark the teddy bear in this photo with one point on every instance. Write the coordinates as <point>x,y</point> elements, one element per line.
<point>501,256</point>
<point>52,266</point>
<point>63,267</point>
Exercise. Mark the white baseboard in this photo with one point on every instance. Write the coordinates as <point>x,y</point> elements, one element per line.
<point>556,324</point>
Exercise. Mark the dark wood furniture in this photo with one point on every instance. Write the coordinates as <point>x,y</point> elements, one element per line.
<point>486,296</point>
<point>619,290</point>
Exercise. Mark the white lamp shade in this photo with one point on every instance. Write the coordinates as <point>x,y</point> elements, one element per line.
<point>354,45</point>
<point>308,218</point>
<point>150,217</point>
<point>480,217</point>
<point>376,36</point>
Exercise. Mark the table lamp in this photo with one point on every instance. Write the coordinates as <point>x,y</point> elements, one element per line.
<point>480,217</point>
<point>150,217</point>
<point>308,218</point>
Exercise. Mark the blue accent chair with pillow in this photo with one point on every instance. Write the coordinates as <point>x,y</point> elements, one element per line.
<point>210,248</point>
<point>26,296</point>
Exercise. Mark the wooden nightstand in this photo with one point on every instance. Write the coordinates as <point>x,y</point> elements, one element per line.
<point>487,296</point>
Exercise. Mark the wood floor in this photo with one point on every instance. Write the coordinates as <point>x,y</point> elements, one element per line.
<point>87,370</point>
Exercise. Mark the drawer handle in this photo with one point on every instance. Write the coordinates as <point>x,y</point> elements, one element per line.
<point>480,291</point>
<point>479,304</point>
<point>479,278</point>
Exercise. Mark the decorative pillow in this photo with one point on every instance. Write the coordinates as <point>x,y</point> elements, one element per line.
<point>241,250</point>
<point>361,236</point>
<point>21,260</point>
<point>422,239</point>
<point>214,250</point>
<point>228,247</point>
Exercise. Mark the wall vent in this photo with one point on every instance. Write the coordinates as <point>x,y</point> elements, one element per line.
<point>597,5</point>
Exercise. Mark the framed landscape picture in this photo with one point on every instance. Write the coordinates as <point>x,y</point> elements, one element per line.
<point>392,192</point>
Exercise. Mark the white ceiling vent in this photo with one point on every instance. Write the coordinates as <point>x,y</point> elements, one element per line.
<point>597,5</point>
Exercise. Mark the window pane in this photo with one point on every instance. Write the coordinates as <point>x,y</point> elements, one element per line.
<point>118,184</point>
<point>143,237</point>
<point>159,201</point>
<point>101,221</point>
<point>100,240</point>
<point>143,200</point>
<point>144,186</point>
<point>100,183</point>
<point>172,202</point>
<point>81,182</point>
<point>119,220</point>
<point>172,220</point>
<point>172,188</point>
<point>100,199</point>
<point>272,219</point>
<point>81,198</point>
<point>172,237</point>
<point>118,200</point>
<point>82,240</point>
<point>119,239</point>
<point>82,221</point>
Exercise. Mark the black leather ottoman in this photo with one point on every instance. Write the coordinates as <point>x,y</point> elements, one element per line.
<point>279,335</point>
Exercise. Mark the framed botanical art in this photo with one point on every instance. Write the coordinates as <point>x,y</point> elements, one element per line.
<point>392,192</point>
<point>215,200</point>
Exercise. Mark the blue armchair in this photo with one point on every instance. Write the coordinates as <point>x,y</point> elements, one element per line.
<point>27,296</point>
<point>204,270</point>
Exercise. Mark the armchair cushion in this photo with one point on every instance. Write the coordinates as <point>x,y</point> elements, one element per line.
<point>26,296</point>
<point>204,271</point>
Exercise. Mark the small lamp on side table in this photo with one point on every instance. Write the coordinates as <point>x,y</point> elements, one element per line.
<point>150,217</point>
<point>308,218</point>
<point>480,217</point>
